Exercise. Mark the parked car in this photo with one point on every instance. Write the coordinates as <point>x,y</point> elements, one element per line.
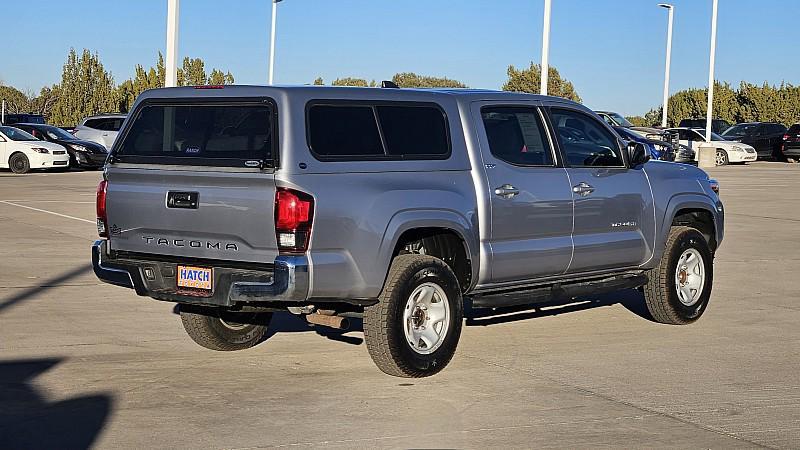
<point>726,151</point>
<point>21,152</point>
<point>660,146</point>
<point>394,205</point>
<point>717,125</point>
<point>101,129</point>
<point>12,119</point>
<point>791,143</point>
<point>765,137</point>
<point>618,120</point>
<point>83,154</point>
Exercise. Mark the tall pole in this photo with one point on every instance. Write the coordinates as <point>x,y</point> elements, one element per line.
<point>171,63</point>
<point>666,68</point>
<point>545,47</point>
<point>3,114</point>
<point>272,40</point>
<point>709,110</point>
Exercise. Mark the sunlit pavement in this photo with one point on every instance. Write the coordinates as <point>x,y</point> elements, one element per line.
<point>82,363</point>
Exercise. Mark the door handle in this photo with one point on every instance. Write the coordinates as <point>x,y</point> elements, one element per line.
<point>506,191</point>
<point>583,189</point>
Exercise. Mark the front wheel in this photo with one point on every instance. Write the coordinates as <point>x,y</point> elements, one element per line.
<point>222,330</point>
<point>414,328</point>
<point>721,158</point>
<point>678,289</point>
<point>19,163</point>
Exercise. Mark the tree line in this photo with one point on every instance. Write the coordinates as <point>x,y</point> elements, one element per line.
<point>87,88</point>
<point>747,103</point>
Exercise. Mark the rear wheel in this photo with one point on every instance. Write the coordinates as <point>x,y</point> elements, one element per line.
<point>414,328</point>
<point>223,330</point>
<point>678,289</point>
<point>19,163</point>
<point>721,158</point>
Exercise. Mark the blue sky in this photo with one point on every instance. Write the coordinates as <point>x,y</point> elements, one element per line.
<point>612,50</point>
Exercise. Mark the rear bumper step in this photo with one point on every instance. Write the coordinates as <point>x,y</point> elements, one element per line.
<point>288,281</point>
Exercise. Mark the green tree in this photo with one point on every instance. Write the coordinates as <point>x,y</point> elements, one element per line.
<point>218,78</point>
<point>637,121</point>
<point>192,72</point>
<point>350,81</point>
<point>412,80</point>
<point>529,80</point>
<point>86,88</point>
<point>319,82</point>
<point>16,100</point>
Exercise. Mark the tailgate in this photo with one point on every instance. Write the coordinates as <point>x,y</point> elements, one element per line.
<point>155,212</point>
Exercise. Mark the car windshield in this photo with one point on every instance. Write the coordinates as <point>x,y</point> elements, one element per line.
<point>623,122</point>
<point>57,133</point>
<point>15,134</point>
<point>743,129</point>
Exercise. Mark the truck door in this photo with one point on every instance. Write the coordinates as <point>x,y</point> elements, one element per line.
<point>614,209</point>
<point>529,193</point>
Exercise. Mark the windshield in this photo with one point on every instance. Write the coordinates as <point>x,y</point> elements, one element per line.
<point>623,122</point>
<point>15,134</point>
<point>714,136</point>
<point>57,133</point>
<point>743,129</point>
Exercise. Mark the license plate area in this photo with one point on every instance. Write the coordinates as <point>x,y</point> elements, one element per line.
<point>195,279</point>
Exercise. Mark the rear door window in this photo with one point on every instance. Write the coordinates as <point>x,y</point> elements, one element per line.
<point>209,133</point>
<point>377,131</point>
<point>516,135</point>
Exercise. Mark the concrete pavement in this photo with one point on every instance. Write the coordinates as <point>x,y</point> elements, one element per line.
<point>82,363</point>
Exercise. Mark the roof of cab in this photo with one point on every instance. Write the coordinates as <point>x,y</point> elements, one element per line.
<point>341,92</point>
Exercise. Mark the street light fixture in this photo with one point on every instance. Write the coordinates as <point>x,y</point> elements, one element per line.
<point>272,39</point>
<point>671,10</point>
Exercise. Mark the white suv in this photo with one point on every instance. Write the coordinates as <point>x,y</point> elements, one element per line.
<point>102,129</point>
<point>21,152</point>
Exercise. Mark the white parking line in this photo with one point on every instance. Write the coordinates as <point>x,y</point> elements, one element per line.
<point>46,211</point>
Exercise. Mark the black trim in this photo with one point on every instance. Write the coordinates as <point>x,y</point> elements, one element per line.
<point>373,104</point>
<point>271,162</point>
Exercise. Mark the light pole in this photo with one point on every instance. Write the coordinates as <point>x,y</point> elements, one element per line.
<point>709,110</point>
<point>272,39</point>
<point>171,63</point>
<point>545,46</point>
<point>671,10</point>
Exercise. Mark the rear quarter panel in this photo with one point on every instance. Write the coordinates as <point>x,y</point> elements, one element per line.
<point>363,207</point>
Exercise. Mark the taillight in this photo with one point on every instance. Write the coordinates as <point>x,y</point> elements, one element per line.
<point>102,219</point>
<point>786,136</point>
<point>294,211</point>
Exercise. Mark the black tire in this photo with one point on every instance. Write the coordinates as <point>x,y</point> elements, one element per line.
<point>224,331</point>
<point>384,324</point>
<point>660,292</point>
<point>19,163</point>
<point>721,157</point>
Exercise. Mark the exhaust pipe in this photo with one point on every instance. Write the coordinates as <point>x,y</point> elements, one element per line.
<point>338,322</point>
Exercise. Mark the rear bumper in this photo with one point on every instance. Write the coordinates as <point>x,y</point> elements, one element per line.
<point>286,281</point>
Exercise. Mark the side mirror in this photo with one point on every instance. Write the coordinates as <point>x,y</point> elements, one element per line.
<point>637,154</point>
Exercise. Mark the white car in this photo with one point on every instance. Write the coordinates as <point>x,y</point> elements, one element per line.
<point>21,152</point>
<point>102,129</point>
<point>726,151</point>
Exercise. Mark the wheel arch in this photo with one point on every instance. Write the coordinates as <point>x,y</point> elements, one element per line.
<point>696,211</point>
<point>445,234</point>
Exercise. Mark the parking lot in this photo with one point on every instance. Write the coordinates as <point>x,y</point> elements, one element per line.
<point>85,363</point>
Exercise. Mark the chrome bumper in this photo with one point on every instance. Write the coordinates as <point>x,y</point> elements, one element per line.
<point>288,281</point>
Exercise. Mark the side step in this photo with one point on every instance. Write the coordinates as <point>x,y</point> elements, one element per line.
<point>557,291</point>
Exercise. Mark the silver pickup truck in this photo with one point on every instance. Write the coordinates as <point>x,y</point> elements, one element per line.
<point>399,206</point>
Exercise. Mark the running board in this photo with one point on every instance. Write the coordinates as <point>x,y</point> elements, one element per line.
<point>557,291</point>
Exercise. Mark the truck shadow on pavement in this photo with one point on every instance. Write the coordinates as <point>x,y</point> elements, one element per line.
<point>631,299</point>
<point>29,420</point>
